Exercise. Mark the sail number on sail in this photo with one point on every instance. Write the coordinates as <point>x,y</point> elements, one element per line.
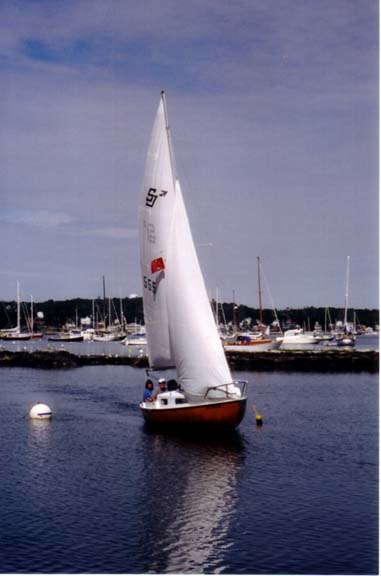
<point>149,284</point>
<point>152,196</point>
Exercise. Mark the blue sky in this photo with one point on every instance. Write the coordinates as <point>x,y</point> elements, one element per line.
<point>274,113</point>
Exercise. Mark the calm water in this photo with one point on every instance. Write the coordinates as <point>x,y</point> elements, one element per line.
<point>94,491</point>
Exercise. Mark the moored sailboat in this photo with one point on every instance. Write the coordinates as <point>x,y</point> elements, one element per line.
<point>258,342</point>
<point>181,331</point>
<point>16,333</point>
<point>66,337</point>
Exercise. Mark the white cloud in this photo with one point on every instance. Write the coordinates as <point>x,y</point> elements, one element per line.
<point>111,232</point>
<point>38,218</point>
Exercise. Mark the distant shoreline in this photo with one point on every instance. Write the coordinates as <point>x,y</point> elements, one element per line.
<point>58,313</point>
<point>282,360</point>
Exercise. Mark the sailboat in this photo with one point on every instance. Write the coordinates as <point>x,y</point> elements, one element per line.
<point>181,332</point>
<point>16,333</point>
<point>260,341</point>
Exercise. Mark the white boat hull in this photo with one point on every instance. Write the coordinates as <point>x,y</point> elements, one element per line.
<point>15,336</point>
<point>298,338</point>
<point>135,342</point>
<point>299,341</point>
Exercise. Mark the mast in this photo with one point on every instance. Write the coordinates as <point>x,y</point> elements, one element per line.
<point>234,314</point>
<point>259,291</point>
<point>121,314</point>
<point>346,292</point>
<point>31,314</point>
<point>223,316</point>
<point>18,308</point>
<point>329,319</point>
<point>104,300</point>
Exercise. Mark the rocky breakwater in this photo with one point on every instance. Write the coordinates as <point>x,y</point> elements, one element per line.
<point>291,360</point>
<point>55,359</point>
<point>333,360</point>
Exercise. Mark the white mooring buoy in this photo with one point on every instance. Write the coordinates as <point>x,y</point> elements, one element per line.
<point>40,412</point>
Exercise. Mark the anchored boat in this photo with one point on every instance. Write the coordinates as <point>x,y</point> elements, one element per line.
<point>180,328</point>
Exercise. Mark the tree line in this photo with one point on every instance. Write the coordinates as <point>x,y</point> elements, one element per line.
<point>54,314</point>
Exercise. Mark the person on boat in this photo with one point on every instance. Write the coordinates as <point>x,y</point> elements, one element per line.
<point>148,391</point>
<point>172,385</point>
<point>162,387</point>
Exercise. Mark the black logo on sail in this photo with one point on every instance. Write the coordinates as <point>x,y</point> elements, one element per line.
<point>152,196</point>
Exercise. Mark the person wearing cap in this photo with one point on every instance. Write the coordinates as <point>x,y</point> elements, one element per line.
<point>162,387</point>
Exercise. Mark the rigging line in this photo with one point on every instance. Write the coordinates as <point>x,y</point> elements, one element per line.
<point>25,311</point>
<point>115,311</point>
<point>223,315</point>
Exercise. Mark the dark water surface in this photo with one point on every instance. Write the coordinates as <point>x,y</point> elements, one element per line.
<point>94,491</point>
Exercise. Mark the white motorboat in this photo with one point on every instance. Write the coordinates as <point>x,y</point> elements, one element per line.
<point>138,339</point>
<point>298,337</point>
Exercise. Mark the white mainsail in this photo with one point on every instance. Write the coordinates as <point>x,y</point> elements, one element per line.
<point>156,208</point>
<point>181,330</point>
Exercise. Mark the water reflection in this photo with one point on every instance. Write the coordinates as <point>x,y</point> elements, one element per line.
<point>38,464</point>
<point>191,492</point>
<point>39,435</point>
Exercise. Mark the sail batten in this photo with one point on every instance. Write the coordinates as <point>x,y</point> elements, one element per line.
<point>180,326</point>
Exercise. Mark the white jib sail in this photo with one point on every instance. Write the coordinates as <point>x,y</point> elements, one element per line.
<point>181,330</point>
<point>198,353</point>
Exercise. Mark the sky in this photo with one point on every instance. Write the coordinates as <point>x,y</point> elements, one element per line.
<point>273,106</point>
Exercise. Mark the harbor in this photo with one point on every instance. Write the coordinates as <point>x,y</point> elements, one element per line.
<point>189,303</point>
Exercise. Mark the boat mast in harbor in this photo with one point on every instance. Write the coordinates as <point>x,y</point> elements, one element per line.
<point>259,292</point>
<point>346,293</point>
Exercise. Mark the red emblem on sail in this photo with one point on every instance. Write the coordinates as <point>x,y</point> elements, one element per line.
<point>157,265</point>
